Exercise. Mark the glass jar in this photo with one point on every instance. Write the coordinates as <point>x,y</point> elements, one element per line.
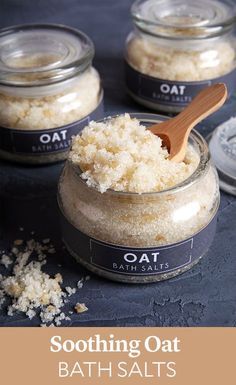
<point>177,48</point>
<point>222,145</point>
<point>140,238</point>
<point>48,91</point>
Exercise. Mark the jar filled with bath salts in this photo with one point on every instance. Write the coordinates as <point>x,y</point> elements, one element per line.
<point>48,91</point>
<point>177,48</point>
<point>130,214</point>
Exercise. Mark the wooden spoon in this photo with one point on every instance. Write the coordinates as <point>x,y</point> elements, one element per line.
<point>175,132</point>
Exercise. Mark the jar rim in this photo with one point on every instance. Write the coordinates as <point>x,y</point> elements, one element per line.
<point>181,20</point>
<point>200,171</point>
<point>51,53</point>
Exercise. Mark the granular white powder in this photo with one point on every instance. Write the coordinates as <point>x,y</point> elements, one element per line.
<point>30,288</point>
<point>70,291</point>
<point>80,308</point>
<point>5,260</point>
<point>180,64</point>
<point>67,105</point>
<point>121,154</point>
<point>2,296</point>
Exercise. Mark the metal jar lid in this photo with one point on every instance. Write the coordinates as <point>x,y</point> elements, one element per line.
<point>222,145</point>
<point>41,54</point>
<point>180,19</point>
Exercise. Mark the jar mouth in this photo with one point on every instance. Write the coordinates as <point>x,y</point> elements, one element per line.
<point>195,139</point>
<point>179,19</point>
<point>41,54</point>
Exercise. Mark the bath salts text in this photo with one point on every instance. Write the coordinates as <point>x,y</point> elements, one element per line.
<point>131,349</point>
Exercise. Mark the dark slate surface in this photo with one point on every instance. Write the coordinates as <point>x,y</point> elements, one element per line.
<point>204,296</point>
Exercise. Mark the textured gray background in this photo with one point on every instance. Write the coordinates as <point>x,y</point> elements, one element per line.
<point>206,295</point>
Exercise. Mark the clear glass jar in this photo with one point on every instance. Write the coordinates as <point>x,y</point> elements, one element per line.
<point>146,237</point>
<point>178,48</point>
<point>222,145</point>
<point>48,91</point>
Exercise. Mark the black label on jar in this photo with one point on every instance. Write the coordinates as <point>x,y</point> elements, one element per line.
<point>137,261</point>
<point>37,142</point>
<point>170,93</point>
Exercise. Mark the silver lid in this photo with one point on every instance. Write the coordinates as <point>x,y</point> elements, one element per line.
<point>188,19</point>
<point>38,54</point>
<point>222,145</point>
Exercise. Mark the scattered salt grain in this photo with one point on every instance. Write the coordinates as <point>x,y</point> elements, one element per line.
<point>31,313</point>
<point>58,278</point>
<point>18,242</point>
<point>80,284</point>
<point>30,288</point>
<point>10,311</point>
<point>2,297</point>
<point>47,326</point>
<point>51,250</point>
<point>60,318</point>
<point>80,307</point>
<point>6,261</point>
<point>70,290</point>
<point>46,240</point>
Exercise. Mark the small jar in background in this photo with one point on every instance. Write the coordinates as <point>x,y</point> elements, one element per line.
<point>222,145</point>
<point>141,237</point>
<point>177,48</point>
<point>48,91</point>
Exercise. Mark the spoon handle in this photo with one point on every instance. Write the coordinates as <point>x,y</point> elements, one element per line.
<point>204,104</point>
